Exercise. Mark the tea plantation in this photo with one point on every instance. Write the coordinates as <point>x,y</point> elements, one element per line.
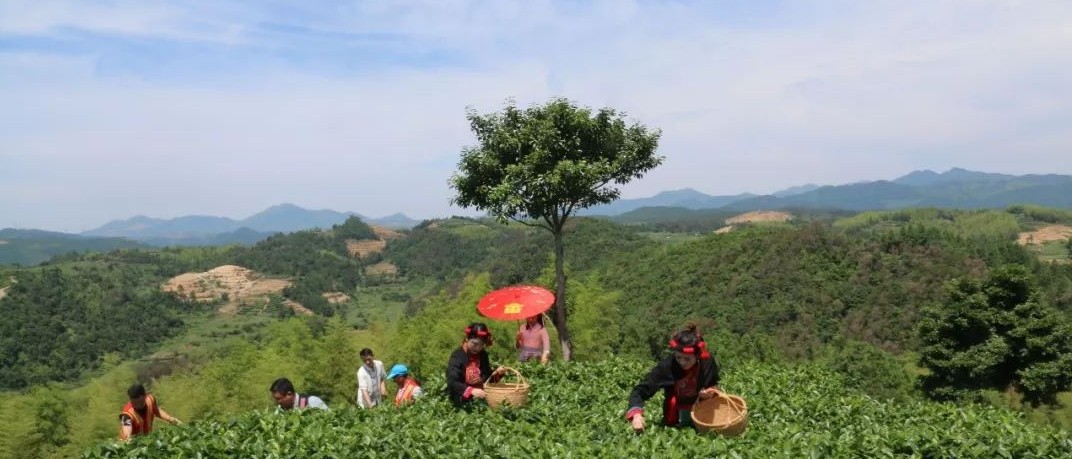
<point>575,410</point>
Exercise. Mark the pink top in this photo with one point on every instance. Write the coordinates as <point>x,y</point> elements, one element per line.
<point>534,338</point>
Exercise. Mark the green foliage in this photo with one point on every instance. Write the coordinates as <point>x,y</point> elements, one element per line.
<point>1041,214</point>
<point>353,228</point>
<point>46,412</point>
<point>870,370</point>
<point>803,411</point>
<point>59,323</point>
<point>995,334</point>
<point>962,223</point>
<point>437,250</point>
<point>800,286</point>
<point>30,247</point>
<point>332,374</point>
<point>546,161</point>
<point>594,316</point>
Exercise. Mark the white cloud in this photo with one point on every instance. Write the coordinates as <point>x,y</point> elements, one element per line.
<point>300,109</point>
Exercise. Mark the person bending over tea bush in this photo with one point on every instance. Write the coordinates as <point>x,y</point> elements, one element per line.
<point>285,399</point>
<point>689,374</point>
<point>408,388</point>
<point>137,415</point>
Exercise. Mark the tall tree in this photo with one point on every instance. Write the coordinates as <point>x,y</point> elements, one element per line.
<point>540,165</point>
<point>996,334</point>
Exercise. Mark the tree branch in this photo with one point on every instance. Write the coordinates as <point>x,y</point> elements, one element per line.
<point>534,225</point>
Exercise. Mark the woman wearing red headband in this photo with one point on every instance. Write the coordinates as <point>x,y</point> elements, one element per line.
<point>691,373</point>
<point>469,365</point>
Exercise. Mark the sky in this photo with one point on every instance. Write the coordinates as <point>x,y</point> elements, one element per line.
<point>111,109</point>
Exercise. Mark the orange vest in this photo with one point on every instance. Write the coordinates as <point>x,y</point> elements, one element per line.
<point>139,425</point>
<point>405,393</point>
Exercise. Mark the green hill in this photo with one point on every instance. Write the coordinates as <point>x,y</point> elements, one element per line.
<point>843,299</point>
<point>575,410</point>
<point>30,247</point>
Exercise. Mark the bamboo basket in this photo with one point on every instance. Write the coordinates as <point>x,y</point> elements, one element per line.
<point>516,394</point>
<point>724,414</point>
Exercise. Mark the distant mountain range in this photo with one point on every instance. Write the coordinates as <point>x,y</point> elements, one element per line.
<point>210,230</point>
<point>30,246</point>
<point>955,188</point>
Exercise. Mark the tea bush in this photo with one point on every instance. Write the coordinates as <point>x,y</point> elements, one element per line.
<point>575,410</point>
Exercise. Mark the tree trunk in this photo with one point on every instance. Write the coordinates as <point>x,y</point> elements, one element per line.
<point>560,297</point>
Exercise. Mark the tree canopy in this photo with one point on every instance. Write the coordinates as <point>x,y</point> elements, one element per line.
<point>541,164</point>
<point>996,334</point>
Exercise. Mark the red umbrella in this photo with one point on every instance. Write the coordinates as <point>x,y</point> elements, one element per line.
<point>515,303</point>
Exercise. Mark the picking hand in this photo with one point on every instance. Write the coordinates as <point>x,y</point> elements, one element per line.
<point>708,393</point>
<point>498,372</point>
<point>478,393</point>
<point>638,422</point>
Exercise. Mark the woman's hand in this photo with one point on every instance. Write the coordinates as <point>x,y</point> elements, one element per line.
<point>638,422</point>
<point>543,359</point>
<point>478,393</point>
<point>498,372</point>
<point>708,393</point>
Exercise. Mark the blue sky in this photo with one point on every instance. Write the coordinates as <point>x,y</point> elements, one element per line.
<point>119,108</point>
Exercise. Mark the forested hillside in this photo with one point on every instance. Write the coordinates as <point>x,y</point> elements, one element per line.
<point>842,294</point>
<point>30,247</point>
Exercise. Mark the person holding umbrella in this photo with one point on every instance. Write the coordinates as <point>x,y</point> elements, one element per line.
<point>469,366</point>
<point>522,302</point>
<point>532,340</point>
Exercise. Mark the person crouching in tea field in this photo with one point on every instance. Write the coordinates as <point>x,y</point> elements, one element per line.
<point>408,387</point>
<point>689,374</point>
<point>285,399</point>
<point>137,415</point>
<point>469,366</point>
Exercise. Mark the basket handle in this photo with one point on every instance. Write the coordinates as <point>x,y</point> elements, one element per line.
<point>521,379</point>
<point>729,401</point>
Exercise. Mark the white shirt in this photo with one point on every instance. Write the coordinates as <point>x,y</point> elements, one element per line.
<point>369,381</point>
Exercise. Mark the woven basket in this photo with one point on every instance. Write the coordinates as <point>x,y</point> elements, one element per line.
<point>516,394</point>
<point>724,414</point>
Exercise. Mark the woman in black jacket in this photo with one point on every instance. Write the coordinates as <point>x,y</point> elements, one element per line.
<point>691,373</point>
<point>469,366</point>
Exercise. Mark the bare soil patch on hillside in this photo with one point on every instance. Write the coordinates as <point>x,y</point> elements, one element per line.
<point>1045,234</point>
<point>336,297</point>
<point>3,292</point>
<point>760,216</point>
<point>365,247</point>
<point>235,285</point>
<point>385,233</point>
<point>382,268</point>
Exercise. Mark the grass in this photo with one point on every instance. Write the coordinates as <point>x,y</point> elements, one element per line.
<point>1053,251</point>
